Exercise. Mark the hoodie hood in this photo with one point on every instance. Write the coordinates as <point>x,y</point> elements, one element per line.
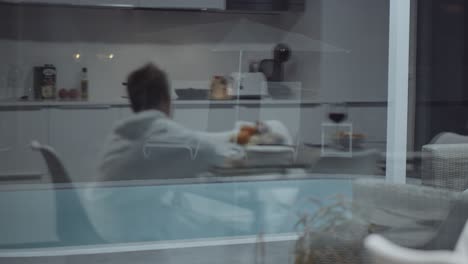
<point>138,125</point>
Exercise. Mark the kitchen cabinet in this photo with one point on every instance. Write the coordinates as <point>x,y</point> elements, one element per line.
<point>78,134</point>
<point>11,1</point>
<point>206,118</point>
<point>184,4</point>
<point>311,121</point>
<point>18,127</point>
<point>221,119</point>
<point>110,3</point>
<point>196,119</point>
<point>52,2</point>
<point>200,118</point>
<point>124,112</point>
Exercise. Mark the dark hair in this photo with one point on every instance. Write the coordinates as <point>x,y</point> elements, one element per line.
<point>148,88</point>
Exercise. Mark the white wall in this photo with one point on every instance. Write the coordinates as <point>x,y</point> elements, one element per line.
<point>359,75</point>
<point>182,43</point>
<point>357,26</point>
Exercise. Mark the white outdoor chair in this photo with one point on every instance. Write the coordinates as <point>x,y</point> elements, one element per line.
<point>445,166</point>
<point>444,162</point>
<point>382,251</point>
<point>449,138</point>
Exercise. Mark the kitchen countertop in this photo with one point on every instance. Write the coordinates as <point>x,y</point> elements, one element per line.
<point>122,103</point>
<point>195,103</point>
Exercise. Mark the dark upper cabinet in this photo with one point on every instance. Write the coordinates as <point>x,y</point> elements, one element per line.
<point>265,5</point>
<point>218,5</point>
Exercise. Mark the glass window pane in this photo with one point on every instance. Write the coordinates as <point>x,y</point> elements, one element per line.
<point>243,131</point>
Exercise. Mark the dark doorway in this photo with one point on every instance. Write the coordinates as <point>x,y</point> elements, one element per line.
<point>441,89</point>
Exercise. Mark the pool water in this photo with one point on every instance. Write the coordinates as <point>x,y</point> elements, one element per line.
<point>83,216</point>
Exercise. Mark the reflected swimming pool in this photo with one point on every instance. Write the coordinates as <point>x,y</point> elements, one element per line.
<point>41,218</point>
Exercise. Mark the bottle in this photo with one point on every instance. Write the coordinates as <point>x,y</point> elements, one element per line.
<point>84,84</point>
<point>47,82</point>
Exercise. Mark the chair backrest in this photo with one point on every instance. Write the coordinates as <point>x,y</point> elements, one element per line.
<point>381,251</point>
<point>445,166</point>
<point>56,168</point>
<point>449,138</point>
<point>449,231</point>
<point>462,244</point>
<point>73,224</point>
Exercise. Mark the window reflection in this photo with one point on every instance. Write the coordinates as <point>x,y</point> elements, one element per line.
<point>254,137</point>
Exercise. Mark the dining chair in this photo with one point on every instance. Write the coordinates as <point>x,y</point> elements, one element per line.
<point>54,164</point>
<point>73,226</point>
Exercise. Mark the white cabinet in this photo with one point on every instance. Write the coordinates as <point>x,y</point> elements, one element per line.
<point>312,118</point>
<point>200,118</point>
<point>18,127</point>
<point>221,119</point>
<point>78,132</point>
<point>124,112</point>
<point>210,119</point>
<point>78,135</point>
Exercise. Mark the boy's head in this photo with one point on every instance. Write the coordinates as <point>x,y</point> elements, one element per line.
<point>148,89</point>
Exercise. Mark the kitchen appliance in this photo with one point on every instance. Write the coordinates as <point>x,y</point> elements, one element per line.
<point>192,94</point>
<point>274,72</point>
<point>273,68</point>
<point>279,90</point>
<point>249,85</point>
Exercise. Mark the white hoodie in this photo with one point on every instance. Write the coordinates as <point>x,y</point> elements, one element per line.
<point>148,145</point>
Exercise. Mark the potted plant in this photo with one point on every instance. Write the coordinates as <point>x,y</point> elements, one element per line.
<point>333,233</point>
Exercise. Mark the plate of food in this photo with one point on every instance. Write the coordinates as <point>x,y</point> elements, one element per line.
<point>265,143</point>
<point>268,133</point>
